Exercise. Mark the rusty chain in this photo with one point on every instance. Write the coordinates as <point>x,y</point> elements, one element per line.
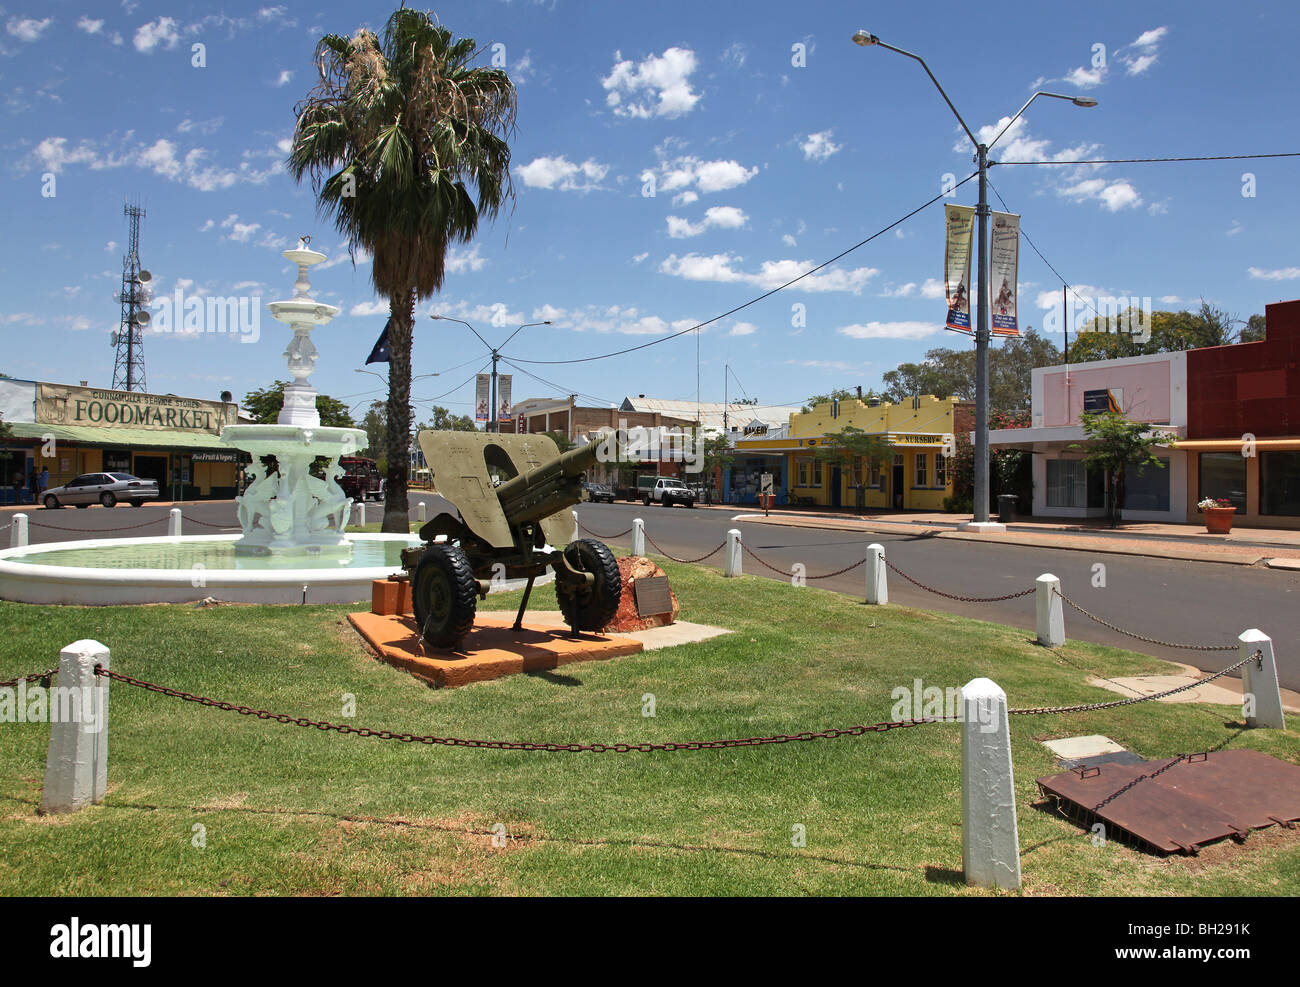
<point>952,596</point>
<point>35,676</point>
<point>1139,637</point>
<point>209,524</point>
<point>597,534</point>
<point>521,745</point>
<point>129,527</point>
<point>825,575</point>
<point>1257,657</point>
<point>685,561</point>
<point>1178,759</point>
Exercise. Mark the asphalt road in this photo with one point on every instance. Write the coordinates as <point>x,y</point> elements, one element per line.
<point>1175,601</point>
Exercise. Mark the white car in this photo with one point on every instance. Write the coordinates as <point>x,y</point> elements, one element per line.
<point>668,491</point>
<point>103,488</point>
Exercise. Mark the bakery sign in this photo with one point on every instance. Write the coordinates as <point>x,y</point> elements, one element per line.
<point>60,404</point>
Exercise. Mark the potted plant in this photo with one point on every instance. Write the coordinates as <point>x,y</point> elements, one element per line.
<point>1218,515</point>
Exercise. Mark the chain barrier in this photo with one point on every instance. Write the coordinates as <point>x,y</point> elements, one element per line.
<point>825,575</point>
<point>209,524</point>
<point>42,677</point>
<point>1257,657</point>
<point>522,745</point>
<point>952,596</point>
<point>129,527</point>
<point>597,534</point>
<point>685,561</point>
<point>1139,637</point>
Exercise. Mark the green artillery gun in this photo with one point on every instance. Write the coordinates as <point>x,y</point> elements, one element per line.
<point>513,495</point>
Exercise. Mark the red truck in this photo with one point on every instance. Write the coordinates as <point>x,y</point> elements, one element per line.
<point>361,479</point>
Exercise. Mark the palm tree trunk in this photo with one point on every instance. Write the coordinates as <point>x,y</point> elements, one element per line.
<point>401,309</point>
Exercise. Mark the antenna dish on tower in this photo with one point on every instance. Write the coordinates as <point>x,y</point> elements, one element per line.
<point>144,277</point>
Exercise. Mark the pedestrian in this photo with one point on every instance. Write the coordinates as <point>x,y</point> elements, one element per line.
<point>19,481</point>
<point>44,482</point>
<point>32,480</point>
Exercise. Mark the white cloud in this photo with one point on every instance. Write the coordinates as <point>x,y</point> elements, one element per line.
<point>88,25</point>
<point>1170,300</point>
<point>28,28</point>
<point>626,320</point>
<point>1235,228</point>
<point>161,157</point>
<point>743,329</point>
<point>789,240</point>
<point>163,31</point>
<point>110,247</point>
<point>367,309</point>
<point>1088,78</point>
<point>890,330</point>
<point>638,258</point>
<point>819,146</point>
<point>1142,53</point>
<point>563,175</point>
<point>736,54</point>
<point>459,261</point>
<point>239,232</point>
<point>721,217</point>
<point>771,274</point>
<point>202,126</point>
<point>933,288</point>
<point>658,86</point>
<point>685,198</point>
<point>900,291</point>
<point>687,175</point>
<point>1114,195</point>
<point>285,77</point>
<point>1275,274</point>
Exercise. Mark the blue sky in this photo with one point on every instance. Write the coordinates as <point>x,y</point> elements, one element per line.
<point>771,143</point>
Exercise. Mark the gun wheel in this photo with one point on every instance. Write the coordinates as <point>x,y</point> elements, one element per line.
<point>590,608</point>
<point>444,595</point>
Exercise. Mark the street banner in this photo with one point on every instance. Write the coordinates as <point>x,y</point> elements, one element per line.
<point>1004,257</point>
<point>956,265</point>
<point>482,404</point>
<point>503,397</point>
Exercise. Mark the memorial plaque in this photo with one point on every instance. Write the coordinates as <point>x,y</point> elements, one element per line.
<point>652,596</point>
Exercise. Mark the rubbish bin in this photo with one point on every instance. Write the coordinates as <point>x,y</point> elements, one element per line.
<point>1006,508</point>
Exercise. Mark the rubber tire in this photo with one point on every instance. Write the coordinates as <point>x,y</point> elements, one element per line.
<point>108,498</point>
<point>647,502</point>
<point>51,503</point>
<point>444,595</point>
<point>81,507</point>
<point>137,503</point>
<point>591,609</point>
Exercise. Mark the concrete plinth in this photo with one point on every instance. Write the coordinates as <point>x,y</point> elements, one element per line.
<point>981,527</point>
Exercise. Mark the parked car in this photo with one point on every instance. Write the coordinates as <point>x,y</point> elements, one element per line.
<point>669,491</point>
<point>598,493</point>
<point>361,479</point>
<point>104,488</point>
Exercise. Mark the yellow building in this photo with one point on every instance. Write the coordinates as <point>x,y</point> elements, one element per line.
<point>918,478</point>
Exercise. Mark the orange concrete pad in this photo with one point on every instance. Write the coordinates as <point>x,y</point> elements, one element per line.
<point>491,650</point>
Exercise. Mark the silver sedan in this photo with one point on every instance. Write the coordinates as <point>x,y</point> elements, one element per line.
<point>104,488</point>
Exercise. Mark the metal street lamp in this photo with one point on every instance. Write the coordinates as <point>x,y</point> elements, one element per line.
<point>494,416</point>
<point>982,333</point>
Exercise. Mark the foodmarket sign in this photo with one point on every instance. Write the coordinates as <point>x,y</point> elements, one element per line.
<point>86,406</point>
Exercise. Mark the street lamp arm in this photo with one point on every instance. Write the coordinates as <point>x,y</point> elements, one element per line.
<point>1077,100</point>
<point>918,58</point>
<point>526,325</point>
<point>448,318</point>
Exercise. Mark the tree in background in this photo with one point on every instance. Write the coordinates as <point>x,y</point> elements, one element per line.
<point>1112,336</point>
<point>946,372</point>
<point>396,135</point>
<point>716,458</point>
<point>1116,445</point>
<point>445,421</point>
<point>839,394</point>
<point>850,444</point>
<point>376,425</point>
<point>561,441</point>
<point>265,404</point>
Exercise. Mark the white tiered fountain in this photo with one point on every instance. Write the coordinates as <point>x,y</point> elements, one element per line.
<point>288,510</point>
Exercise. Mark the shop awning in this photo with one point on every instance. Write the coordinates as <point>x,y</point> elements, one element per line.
<point>1288,443</point>
<point>125,438</point>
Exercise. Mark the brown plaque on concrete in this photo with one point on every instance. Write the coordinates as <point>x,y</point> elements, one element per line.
<point>652,596</point>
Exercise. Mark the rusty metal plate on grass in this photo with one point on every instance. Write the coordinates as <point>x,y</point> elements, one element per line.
<point>652,596</point>
<point>1180,804</point>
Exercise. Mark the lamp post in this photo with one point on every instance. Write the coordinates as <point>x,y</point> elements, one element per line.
<point>982,332</point>
<point>494,415</point>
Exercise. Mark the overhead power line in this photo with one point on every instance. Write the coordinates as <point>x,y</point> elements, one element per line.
<point>1212,157</point>
<point>766,294</point>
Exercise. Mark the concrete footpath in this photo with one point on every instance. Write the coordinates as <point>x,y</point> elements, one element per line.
<point>1272,547</point>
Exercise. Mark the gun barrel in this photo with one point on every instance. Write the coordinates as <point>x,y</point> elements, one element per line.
<point>547,489</point>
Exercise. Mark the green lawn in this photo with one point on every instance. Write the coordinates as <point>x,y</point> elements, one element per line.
<point>288,810</point>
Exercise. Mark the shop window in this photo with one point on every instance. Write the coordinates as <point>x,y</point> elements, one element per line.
<point>1279,477</point>
<point>816,473</point>
<point>922,467</point>
<point>876,479</point>
<point>802,466</point>
<point>1066,483</point>
<point>940,470</point>
<point>1223,477</point>
<point>1148,492</point>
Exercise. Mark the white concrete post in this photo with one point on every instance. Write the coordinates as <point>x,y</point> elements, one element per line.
<point>359,512</point>
<point>174,523</point>
<point>877,583</point>
<point>1260,681</point>
<point>18,533</point>
<point>732,566</point>
<point>76,769</point>
<point>422,512</point>
<point>638,536</point>
<point>990,838</point>
<point>1051,611</point>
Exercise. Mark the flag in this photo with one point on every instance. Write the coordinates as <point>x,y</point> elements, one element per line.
<point>956,265</point>
<point>380,353</point>
<point>1004,256</point>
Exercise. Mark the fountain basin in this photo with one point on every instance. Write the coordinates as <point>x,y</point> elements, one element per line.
<point>115,571</point>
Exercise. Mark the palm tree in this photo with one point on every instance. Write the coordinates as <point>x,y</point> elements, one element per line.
<point>396,136</point>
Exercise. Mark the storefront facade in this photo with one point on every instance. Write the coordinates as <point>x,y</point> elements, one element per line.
<point>75,429</point>
<point>917,476</point>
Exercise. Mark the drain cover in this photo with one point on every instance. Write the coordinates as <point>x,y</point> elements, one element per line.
<point>1179,804</point>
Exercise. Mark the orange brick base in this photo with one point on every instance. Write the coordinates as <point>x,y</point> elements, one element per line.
<point>490,651</point>
<point>390,597</point>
